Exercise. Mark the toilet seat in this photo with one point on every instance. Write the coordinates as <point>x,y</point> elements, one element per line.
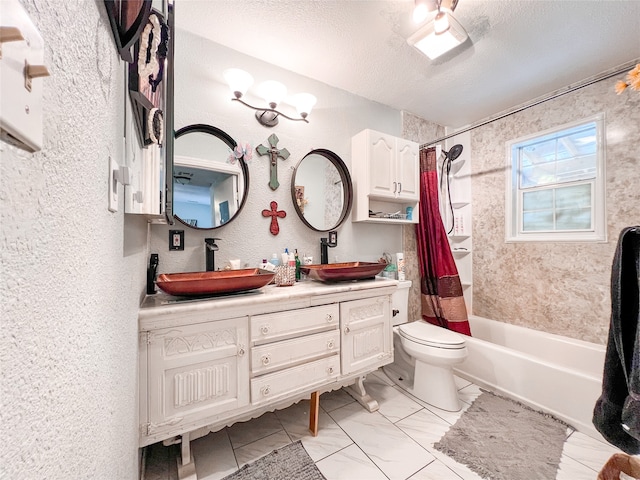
<point>431,335</point>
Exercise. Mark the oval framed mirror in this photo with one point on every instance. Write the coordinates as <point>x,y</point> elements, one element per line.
<point>321,190</point>
<point>208,190</point>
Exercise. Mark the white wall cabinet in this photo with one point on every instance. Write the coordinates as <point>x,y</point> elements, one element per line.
<point>203,367</point>
<point>386,178</point>
<point>144,194</point>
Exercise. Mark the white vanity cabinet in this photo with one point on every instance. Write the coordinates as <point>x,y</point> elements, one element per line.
<point>208,363</point>
<point>385,175</point>
<point>195,371</point>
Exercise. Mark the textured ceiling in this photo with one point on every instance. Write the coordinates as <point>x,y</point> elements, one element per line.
<point>517,50</point>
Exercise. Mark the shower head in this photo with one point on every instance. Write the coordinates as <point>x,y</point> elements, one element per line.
<point>453,153</point>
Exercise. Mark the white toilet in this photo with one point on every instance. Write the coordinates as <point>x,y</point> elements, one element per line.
<point>424,355</point>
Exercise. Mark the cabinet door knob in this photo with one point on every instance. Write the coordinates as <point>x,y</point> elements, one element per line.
<point>395,187</point>
<point>347,329</point>
<point>265,390</point>
<point>330,344</point>
<point>264,329</point>
<point>266,359</point>
<point>240,351</point>
<point>399,187</point>
<point>330,370</point>
<point>329,318</point>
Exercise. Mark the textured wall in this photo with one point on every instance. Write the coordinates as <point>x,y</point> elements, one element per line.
<point>202,96</point>
<point>72,272</point>
<point>557,287</point>
<point>419,130</point>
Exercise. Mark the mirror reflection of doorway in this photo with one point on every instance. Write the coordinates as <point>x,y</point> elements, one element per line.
<point>204,178</point>
<point>224,212</point>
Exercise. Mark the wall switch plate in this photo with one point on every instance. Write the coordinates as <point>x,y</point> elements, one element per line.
<point>176,239</point>
<point>113,185</point>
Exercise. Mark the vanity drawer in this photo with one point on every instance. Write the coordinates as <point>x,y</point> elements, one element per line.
<point>294,323</point>
<point>277,355</point>
<point>273,385</point>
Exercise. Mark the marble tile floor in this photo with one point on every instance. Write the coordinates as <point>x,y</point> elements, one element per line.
<point>394,443</point>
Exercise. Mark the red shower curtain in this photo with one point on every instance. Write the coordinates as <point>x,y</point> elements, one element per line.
<point>440,287</point>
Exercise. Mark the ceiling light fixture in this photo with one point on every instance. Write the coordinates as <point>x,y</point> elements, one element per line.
<point>440,35</point>
<point>183,178</point>
<point>273,93</point>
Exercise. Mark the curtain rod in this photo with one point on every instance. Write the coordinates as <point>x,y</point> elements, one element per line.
<point>558,93</point>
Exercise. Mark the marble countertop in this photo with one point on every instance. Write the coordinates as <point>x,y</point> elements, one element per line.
<point>163,311</point>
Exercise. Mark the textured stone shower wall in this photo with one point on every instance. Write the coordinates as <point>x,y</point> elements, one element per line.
<point>561,288</point>
<point>72,273</point>
<point>418,130</point>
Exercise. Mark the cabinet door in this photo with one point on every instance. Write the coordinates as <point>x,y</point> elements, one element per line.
<point>408,169</point>
<point>365,334</point>
<point>196,371</point>
<point>382,165</point>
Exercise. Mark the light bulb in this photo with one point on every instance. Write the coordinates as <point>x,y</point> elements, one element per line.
<point>304,103</point>
<point>273,92</point>
<point>239,81</point>
<point>441,23</point>
<point>420,13</point>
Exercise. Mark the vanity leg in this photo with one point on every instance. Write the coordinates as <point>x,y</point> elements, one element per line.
<point>358,392</point>
<point>186,465</point>
<point>314,411</point>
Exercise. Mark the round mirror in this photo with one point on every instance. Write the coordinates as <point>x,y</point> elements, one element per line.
<point>208,190</point>
<point>321,190</point>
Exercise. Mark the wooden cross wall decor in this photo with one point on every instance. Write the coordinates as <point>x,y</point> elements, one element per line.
<point>274,213</point>
<point>273,153</point>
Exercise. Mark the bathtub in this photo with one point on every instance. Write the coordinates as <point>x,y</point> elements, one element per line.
<point>552,373</point>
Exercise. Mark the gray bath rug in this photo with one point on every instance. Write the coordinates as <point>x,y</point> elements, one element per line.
<point>289,462</point>
<point>501,439</point>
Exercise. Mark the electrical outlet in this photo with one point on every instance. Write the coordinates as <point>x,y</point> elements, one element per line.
<point>176,239</point>
<point>113,185</point>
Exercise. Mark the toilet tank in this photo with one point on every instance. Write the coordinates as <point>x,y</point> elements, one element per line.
<point>400,303</point>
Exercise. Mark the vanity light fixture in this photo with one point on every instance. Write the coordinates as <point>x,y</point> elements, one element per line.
<point>273,93</point>
<point>441,34</point>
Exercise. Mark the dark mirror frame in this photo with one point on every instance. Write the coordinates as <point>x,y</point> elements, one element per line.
<point>346,182</point>
<point>231,143</point>
<point>127,19</point>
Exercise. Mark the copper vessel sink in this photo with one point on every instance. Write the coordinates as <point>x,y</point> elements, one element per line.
<point>340,272</point>
<point>213,283</point>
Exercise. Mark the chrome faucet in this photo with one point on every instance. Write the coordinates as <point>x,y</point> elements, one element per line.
<point>210,247</point>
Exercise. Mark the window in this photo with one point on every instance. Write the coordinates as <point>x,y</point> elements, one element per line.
<point>555,184</point>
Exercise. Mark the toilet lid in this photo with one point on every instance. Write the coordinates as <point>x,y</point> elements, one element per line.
<point>431,335</point>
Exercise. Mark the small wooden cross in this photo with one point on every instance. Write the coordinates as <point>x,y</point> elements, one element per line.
<point>274,153</point>
<point>274,213</point>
